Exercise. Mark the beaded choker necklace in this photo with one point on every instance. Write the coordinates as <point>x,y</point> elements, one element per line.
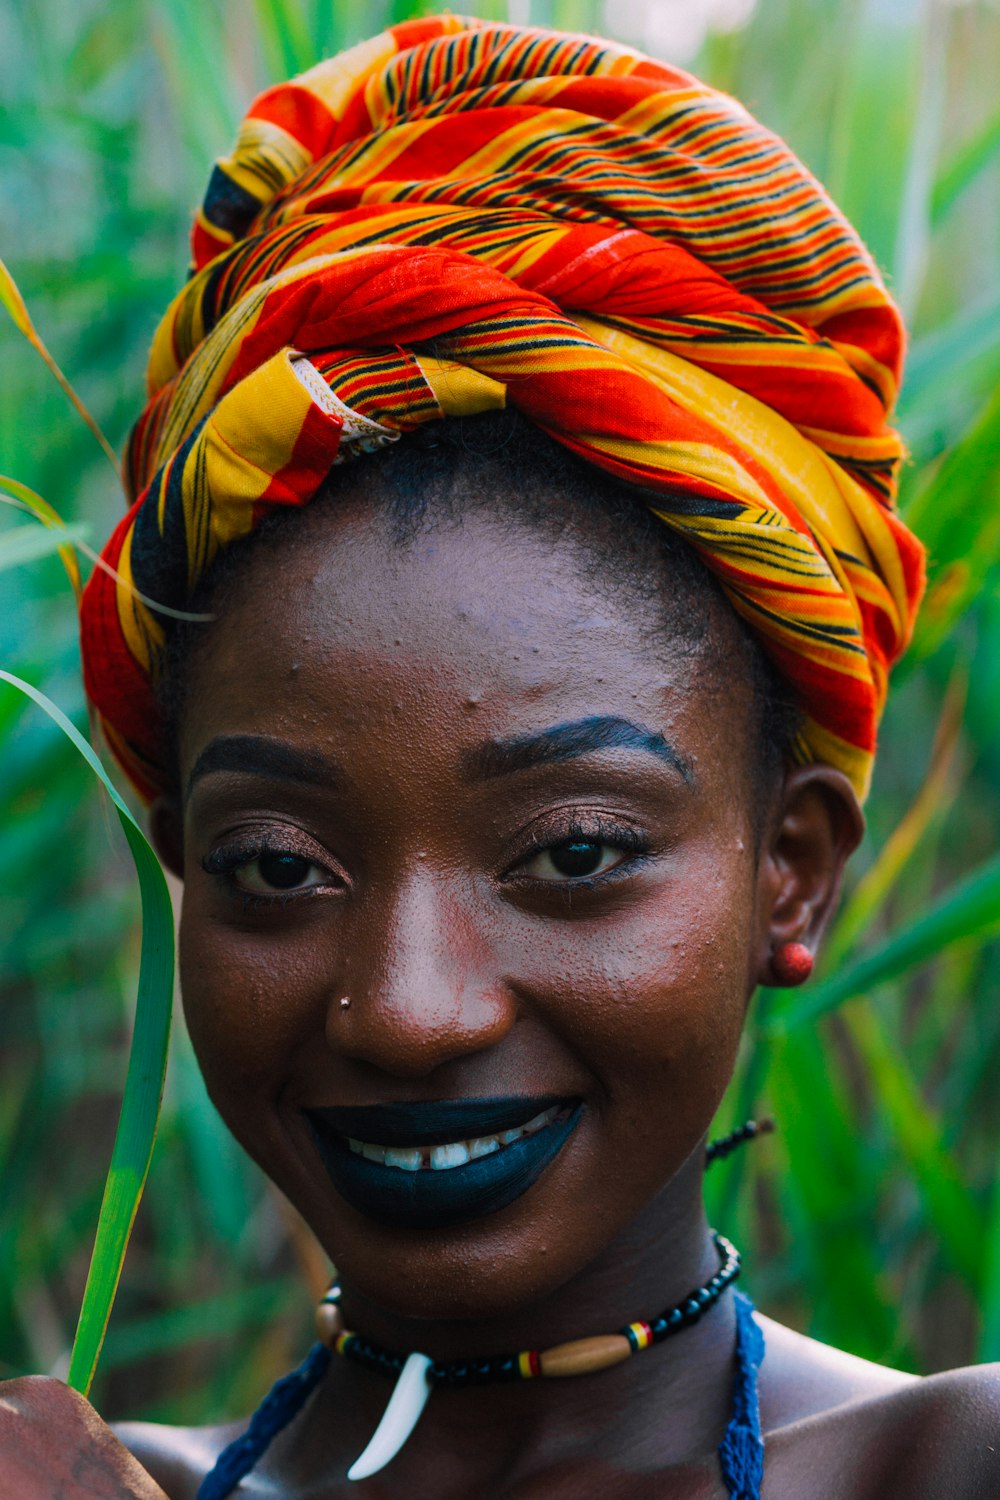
<point>580,1357</point>
<point>417,1374</point>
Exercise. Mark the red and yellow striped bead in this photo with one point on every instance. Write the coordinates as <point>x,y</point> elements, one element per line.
<point>639,1335</point>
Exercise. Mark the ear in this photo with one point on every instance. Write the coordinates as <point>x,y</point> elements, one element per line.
<point>166,832</point>
<point>815,827</point>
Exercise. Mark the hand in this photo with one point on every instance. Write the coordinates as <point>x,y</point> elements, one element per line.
<point>54,1446</point>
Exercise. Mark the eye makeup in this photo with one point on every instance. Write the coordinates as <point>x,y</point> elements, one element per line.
<point>577,850</point>
<point>282,861</point>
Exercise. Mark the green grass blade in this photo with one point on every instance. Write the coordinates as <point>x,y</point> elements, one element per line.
<point>957,517</point>
<point>23,544</point>
<point>870,895</point>
<point>965,166</point>
<point>23,498</point>
<point>13,492</point>
<point>171,1328</point>
<point>950,1205</point>
<point>11,299</point>
<point>971,909</point>
<point>140,1109</point>
<point>197,58</point>
<point>287,37</point>
<point>828,1212</point>
<point>937,360</point>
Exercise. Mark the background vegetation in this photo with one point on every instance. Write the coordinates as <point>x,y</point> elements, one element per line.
<point>873,1216</point>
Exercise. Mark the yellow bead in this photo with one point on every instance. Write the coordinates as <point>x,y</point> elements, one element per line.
<point>329,1323</point>
<point>583,1356</point>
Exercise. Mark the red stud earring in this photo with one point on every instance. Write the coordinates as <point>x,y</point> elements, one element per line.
<point>791,964</point>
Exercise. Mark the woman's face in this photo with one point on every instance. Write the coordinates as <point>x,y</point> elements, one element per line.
<point>454,831</point>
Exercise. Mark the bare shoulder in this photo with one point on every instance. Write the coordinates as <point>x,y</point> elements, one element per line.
<point>840,1426</point>
<point>802,1377</point>
<point>178,1458</point>
<point>958,1412</point>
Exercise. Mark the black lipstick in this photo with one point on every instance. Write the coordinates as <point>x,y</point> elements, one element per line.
<point>430,1198</point>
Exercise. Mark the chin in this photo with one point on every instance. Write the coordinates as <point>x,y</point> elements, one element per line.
<point>469,1247</point>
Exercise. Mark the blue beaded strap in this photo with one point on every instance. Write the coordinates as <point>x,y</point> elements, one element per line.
<point>741,1452</point>
<point>283,1401</point>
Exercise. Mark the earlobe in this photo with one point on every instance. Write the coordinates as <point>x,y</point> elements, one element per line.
<point>166,832</point>
<point>816,827</point>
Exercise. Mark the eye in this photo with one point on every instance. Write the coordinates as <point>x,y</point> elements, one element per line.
<point>573,859</point>
<point>269,872</point>
<point>280,871</point>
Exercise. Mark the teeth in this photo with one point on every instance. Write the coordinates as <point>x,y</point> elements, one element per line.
<point>409,1160</point>
<point>455,1154</point>
<point>452,1153</point>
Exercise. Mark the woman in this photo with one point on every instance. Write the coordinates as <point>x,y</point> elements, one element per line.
<point>517,752</point>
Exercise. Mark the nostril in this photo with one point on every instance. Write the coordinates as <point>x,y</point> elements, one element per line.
<point>414,1034</point>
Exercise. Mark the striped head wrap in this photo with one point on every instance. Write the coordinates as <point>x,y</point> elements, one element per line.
<point>457,214</point>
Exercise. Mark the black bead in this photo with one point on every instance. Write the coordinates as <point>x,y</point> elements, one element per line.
<point>507,1367</point>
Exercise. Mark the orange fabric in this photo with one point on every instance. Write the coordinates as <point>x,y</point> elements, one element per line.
<point>457,214</point>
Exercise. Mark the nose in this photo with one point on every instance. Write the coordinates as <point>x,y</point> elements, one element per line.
<point>424,991</point>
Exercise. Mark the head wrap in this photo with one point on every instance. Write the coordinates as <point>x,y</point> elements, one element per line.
<point>457,214</point>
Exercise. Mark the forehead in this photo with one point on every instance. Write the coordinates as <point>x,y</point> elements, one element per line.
<point>466,628</point>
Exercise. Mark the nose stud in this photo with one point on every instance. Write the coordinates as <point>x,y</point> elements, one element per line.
<point>345,1002</point>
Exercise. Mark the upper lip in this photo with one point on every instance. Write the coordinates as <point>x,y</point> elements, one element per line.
<point>432,1122</point>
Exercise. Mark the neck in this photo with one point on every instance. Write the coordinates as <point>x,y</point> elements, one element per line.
<point>666,1405</point>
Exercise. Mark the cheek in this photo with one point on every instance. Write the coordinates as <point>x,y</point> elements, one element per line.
<point>250,1002</point>
<point>654,1002</point>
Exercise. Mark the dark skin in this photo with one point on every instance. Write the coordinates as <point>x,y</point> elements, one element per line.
<point>430,896</point>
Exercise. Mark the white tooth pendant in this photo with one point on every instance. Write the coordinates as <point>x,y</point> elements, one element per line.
<point>408,1399</point>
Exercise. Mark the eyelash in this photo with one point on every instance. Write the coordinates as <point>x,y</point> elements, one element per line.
<point>613,835</point>
<point>227,861</point>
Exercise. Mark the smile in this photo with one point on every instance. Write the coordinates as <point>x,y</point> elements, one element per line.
<point>428,1166</point>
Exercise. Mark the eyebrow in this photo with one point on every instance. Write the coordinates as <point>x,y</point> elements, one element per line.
<point>566,742</point>
<point>253,755</point>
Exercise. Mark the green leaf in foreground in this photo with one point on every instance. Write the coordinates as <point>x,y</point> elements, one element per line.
<point>140,1109</point>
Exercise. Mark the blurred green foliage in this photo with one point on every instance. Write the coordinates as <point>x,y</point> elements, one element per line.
<point>873,1217</point>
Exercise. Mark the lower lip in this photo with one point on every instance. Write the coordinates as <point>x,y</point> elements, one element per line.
<point>431,1199</point>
